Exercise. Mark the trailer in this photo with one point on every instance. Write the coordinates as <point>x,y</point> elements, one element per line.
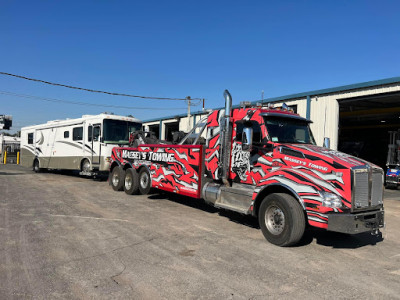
<point>263,162</point>
<point>82,144</point>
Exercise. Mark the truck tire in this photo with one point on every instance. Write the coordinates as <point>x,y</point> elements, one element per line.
<point>144,181</point>
<point>131,182</point>
<point>281,219</point>
<point>117,178</point>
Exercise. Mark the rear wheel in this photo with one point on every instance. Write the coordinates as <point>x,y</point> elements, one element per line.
<point>117,178</point>
<point>281,219</point>
<point>131,182</point>
<point>36,167</point>
<point>144,181</point>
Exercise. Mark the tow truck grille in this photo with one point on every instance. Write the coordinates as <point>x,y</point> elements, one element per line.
<point>367,188</point>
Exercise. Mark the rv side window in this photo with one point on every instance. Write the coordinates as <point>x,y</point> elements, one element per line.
<point>30,138</point>
<point>89,130</point>
<point>77,133</point>
<point>66,134</point>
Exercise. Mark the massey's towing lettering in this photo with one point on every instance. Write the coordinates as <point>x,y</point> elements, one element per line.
<point>304,163</point>
<point>150,156</point>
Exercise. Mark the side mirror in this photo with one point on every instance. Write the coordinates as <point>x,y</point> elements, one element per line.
<point>327,142</point>
<point>247,139</point>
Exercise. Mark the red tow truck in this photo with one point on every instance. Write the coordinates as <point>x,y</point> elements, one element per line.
<point>263,162</point>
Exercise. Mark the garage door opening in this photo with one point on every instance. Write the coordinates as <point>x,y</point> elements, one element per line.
<point>155,129</point>
<point>364,125</point>
<point>170,128</point>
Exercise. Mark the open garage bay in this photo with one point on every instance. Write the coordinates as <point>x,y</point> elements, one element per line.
<point>364,125</point>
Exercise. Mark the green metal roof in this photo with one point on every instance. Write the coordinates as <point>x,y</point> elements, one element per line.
<point>301,95</point>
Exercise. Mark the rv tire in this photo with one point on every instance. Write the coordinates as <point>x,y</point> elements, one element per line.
<point>85,165</point>
<point>117,179</point>
<point>282,220</point>
<point>36,167</point>
<point>144,181</point>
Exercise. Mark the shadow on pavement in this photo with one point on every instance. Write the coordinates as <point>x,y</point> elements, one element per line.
<point>9,174</point>
<point>321,236</point>
<point>201,204</point>
<point>339,240</point>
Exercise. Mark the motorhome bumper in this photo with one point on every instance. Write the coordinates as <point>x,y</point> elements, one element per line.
<point>356,223</point>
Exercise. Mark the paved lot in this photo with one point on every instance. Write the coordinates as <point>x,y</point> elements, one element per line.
<point>63,236</point>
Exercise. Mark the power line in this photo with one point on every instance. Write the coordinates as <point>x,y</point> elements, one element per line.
<point>83,103</point>
<point>93,91</point>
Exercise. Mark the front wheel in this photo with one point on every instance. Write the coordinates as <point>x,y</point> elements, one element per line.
<point>85,166</point>
<point>281,219</point>
<point>117,179</point>
<point>144,181</point>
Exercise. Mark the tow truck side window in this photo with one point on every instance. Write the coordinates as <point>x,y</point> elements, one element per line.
<point>257,136</point>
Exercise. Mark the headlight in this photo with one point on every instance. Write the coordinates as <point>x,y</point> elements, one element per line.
<point>331,200</point>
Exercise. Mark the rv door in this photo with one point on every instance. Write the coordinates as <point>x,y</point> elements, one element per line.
<point>94,131</point>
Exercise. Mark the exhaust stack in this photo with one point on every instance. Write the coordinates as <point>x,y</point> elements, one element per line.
<point>226,139</point>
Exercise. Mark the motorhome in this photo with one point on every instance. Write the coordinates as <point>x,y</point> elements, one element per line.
<point>82,144</point>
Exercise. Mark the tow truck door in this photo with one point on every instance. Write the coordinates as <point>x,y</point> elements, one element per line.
<point>250,167</point>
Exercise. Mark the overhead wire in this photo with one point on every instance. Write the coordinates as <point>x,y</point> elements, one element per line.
<point>84,103</point>
<point>94,91</point>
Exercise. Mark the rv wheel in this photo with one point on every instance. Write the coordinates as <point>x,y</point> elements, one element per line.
<point>131,182</point>
<point>36,167</point>
<point>281,219</point>
<point>85,166</point>
<point>117,178</point>
<point>144,181</point>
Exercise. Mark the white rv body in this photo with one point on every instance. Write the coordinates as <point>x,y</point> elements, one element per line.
<point>83,144</point>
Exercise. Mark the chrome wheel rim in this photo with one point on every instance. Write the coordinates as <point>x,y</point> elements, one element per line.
<point>128,182</point>
<point>275,220</point>
<point>86,166</point>
<point>115,179</point>
<point>144,180</point>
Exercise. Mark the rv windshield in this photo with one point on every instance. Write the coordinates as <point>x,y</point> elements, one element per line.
<point>118,131</point>
<point>287,130</point>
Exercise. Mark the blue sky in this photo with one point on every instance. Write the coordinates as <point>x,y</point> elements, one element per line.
<point>181,48</point>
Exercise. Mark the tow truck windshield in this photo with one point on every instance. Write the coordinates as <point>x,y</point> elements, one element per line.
<point>118,131</point>
<point>287,130</point>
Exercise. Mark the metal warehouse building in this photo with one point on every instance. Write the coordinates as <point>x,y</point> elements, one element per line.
<point>356,117</point>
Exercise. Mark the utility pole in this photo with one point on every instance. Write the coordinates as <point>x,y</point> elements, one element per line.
<point>188,114</point>
<point>262,96</point>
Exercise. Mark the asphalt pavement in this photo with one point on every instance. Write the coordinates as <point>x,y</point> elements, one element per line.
<point>67,237</point>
